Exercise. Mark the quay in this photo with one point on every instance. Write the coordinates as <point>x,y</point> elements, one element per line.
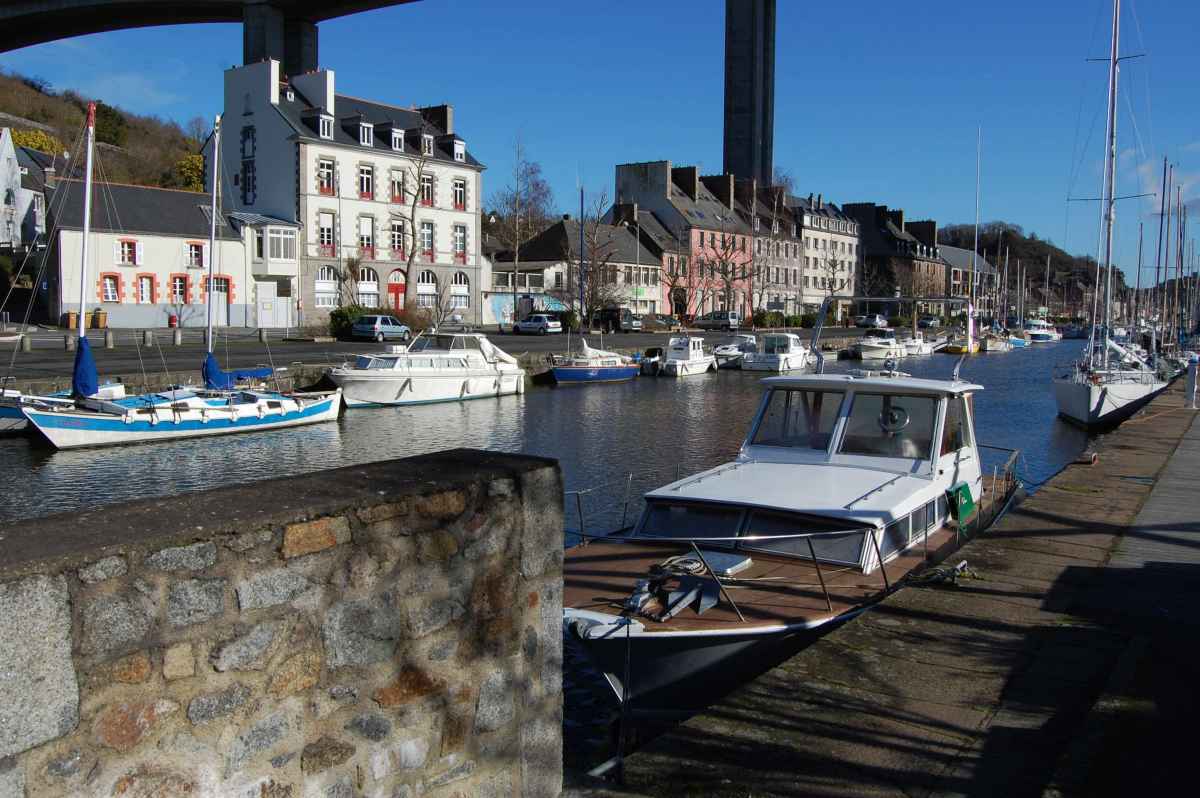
<point>1067,664</point>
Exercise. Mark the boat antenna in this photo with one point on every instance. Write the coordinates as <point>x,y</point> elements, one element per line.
<point>212,230</point>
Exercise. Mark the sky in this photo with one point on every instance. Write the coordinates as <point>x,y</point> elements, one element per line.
<point>880,101</point>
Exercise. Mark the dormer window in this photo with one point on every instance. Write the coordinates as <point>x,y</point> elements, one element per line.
<point>366,134</point>
<point>398,140</point>
<point>426,144</point>
<point>327,127</point>
<point>460,151</point>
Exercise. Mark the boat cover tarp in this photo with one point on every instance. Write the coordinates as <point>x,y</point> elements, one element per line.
<point>588,352</point>
<point>84,380</point>
<point>216,379</point>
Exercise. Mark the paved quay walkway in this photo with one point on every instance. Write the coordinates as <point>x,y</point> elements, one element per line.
<point>1071,666</point>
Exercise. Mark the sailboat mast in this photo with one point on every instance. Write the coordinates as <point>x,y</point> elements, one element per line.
<point>1162,215</point>
<point>975,248</point>
<point>212,230</point>
<point>1110,170</point>
<point>1047,284</point>
<point>87,218</point>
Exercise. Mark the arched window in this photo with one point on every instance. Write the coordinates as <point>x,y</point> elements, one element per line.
<point>368,287</point>
<point>427,289</point>
<point>396,289</point>
<point>326,274</point>
<point>325,288</point>
<point>460,291</point>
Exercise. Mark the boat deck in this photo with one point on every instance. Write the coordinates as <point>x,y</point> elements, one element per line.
<point>601,575</point>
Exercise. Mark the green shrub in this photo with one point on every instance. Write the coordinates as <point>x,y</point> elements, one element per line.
<point>807,320</point>
<point>342,319</point>
<point>569,320</point>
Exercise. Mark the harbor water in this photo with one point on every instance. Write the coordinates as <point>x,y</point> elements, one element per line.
<point>654,429</point>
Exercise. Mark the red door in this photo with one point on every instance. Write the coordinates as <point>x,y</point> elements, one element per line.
<point>396,289</point>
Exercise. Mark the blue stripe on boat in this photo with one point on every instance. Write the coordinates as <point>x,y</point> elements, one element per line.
<point>568,374</point>
<point>115,424</point>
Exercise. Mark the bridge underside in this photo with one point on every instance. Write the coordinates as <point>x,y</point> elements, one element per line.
<point>285,30</point>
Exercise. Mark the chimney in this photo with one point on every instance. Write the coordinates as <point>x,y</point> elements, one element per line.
<point>51,176</point>
<point>810,199</point>
<point>440,116</point>
<point>318,88</point>
<point>820,204</point>
<point>897,218</point>
<point>722,187</point>
<point>688,178</point>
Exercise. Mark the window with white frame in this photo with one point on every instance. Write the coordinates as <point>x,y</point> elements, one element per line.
<point>460,194</point>
<point>145,289</point>
<point>426,144</point>
<point>366,234</point>
<point>427,240</point>
<point>325,287</point>
<point>366,181</point>
<point>460,151</point>
<point>195,255</point>
<point>427,190</point>
<point>282,243</point>
<point>398,237</point>
<point>460,243</point>
<point>398,140</point>
<point>127,253</point>
<point>396,179</point>
<point>110,292</point>
<point>366,134</point>
<point>460,291</point>
<point>325,221</point>
<point>427,289</point>
<point>368,287</point>
<point>179,290</point>
<point>325,172</point>
<point>326,127</point>
<point>258,244</point>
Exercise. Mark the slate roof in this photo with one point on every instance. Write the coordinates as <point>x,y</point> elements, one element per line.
<point>119,208</point>
<point>708,212</point>
<point>554,242</point>
<point>35,164</point>
<point>960,258</point>
<point>257,219</point>
<point>299,113</point>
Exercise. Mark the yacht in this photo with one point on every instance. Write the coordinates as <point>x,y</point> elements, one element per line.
<point>729,355</point>
<point>593,365</point>
<point>1098,393</point>
<point>917,345</point>
<point>686,357</point>
<point>441,367</point>
<point>879,344</point>
<point>995,342</point>
<point>842,487</point>
<point>1040,331</point>
<point>781,352</point>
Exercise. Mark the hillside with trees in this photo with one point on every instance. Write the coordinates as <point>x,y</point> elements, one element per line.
<point>1072,277</point>
<point>143,150</point>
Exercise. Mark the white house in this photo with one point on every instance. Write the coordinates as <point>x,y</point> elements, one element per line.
<point>367,185</point>
<point>22,203</point>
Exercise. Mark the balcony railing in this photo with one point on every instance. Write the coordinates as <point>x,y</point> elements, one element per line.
<point>326,190</point>
<point>326,250</point>
<point>367,253</point>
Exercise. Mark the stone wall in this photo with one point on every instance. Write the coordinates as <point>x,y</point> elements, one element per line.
<point>385,631</point>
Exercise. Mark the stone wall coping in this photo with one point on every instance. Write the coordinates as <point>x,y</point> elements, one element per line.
<point>54,543</point>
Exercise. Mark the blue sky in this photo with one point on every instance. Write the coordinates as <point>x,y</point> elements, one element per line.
<point>874,102</point>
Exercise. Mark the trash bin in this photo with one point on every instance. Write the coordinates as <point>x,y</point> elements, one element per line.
<point>71,320</point>
<point>172,320</point>
<point>99,319</point>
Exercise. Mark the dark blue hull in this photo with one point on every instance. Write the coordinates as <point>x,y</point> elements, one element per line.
<point>570,375</point>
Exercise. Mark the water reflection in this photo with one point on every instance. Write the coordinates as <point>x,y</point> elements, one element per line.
<point>655,428</point>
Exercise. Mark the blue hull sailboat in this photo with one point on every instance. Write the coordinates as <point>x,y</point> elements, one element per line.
<point>104,416</point>
<point>593,365</point>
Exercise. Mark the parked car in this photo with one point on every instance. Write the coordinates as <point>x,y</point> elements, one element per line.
<point>871,320</point>
<point>381,328</point>
<point>929,322</point>
<point>537,324</point>
<point>662,322</point>
<point>724,320</point>
<point>612,320</point>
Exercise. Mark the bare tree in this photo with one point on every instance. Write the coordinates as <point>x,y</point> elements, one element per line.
<point>522,209</point>
<point>197,130</point>
<point>597,271</point>
<point>726,266</point>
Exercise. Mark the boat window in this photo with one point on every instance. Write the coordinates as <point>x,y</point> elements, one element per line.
<point>886,425</point>
<point>690,520</point>
<point>775,345</point>
<point>471,343</point>
<point>843,549</point>
<point>957,434</point>
<point>420,362</point>
<point>383,363</point>
<point>363,362</point>
<point>798,418</point>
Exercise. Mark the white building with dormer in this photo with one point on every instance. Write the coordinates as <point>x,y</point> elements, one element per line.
<point>366,184</point>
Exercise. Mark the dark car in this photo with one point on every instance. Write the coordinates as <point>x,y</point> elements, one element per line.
<point>929,322</point>
<point>616,320</point>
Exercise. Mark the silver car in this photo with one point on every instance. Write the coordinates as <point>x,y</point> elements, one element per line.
<point>381,328</point>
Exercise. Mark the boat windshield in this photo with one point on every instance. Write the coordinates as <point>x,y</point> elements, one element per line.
<point>799,418</point>
<point>776,345</point>
<point>889,425</point>
<point>675,520</point>
<point>372,362</point>
<point>443,343</point>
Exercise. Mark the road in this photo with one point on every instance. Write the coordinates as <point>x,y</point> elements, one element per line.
<point>241,348</point>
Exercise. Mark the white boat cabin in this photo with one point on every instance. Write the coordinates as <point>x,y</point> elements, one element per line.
<point>437,351</point>
<point>872,455</point>
<point>685,348</point>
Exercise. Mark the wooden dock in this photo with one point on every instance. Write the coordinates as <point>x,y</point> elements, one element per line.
<point>1071,665</point>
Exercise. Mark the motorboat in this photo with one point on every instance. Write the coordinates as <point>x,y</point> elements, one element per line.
<point>963,344</point>
<point>1017,341</point>
<point>879,344</point>
<point>917,345</point>
<point>593,365</point>
<point>781,352</point>
<point>686,357</point>
<point>1099,392</point>
<point>1039,331</point>
<point>651,361</point>
<point>994,342</point>
<point>439,367</point>
<point>729,355</point>
<point>841,488</point>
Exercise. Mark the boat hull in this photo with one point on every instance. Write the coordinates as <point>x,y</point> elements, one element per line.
<point>1102,406</point>
<point>777,364</point>
<point>727,361</point>
<point>361,389</point>
<point>11,418</point>
<point>78,429</point>
<point>879,351</point>
<point>689,368</point>
<point>571,375</point>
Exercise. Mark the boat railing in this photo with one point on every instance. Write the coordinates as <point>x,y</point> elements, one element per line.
<point>874,533</point>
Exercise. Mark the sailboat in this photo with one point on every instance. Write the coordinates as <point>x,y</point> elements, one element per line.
<point>968,343</point>
<point>1109,383</point>
<point>97,415</point>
